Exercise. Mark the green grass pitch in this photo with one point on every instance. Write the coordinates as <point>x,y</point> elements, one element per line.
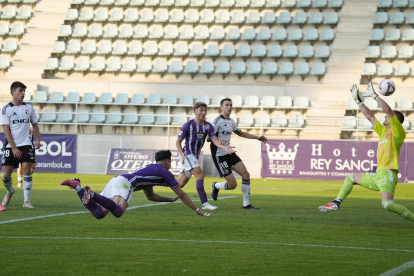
<point>287,236</point>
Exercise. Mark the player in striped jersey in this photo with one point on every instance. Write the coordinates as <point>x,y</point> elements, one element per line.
<point>117,194</point>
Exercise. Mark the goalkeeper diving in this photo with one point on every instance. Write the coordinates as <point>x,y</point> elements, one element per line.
<point>385,180</point>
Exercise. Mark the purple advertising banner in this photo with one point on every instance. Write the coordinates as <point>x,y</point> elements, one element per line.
<point>323,160</point>
<point>57,153</point>
<point>410,161</point>
<point>123,161</point>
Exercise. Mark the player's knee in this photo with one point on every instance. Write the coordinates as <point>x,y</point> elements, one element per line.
<point>386,204</point>
<point>200,176</point>
<point>6,176</point>
<point>232,185</point>
<point>246,175</point>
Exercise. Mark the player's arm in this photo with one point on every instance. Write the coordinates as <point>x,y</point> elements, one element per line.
<point>364,109</point>
<point>37,135</point>
<point>16,152</point>
<point>218,144</point>
<point>149,193</point>
<point>187,201</point>
<point>387,109</point>
<point>251,136</point>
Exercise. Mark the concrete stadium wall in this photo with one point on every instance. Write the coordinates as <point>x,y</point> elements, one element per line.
<point>93,151</point>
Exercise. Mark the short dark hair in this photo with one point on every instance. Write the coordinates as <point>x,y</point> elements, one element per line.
<point>199,104</point>
<point>400,116</point>
<point>223,100</point>
<point>16,85</point>
<point>162,155</point>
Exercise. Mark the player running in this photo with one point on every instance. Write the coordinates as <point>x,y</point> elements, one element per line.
<point>16,118</point>
<point>19,169</point>
<point>225,163</point>
<point>392,136</point>
<point>117,194</point>
<point>195,132</point>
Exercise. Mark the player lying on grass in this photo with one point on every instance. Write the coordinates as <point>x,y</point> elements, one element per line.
<point>392,136</point>
<point>117,194</point>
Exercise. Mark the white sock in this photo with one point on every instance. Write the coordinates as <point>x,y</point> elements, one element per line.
<point>246,192</point>
<point>222,185</point>
<point>9,185</point>
<point>19,178</point>
<point>27,187</point>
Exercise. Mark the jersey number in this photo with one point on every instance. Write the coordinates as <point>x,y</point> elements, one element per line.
<point>7,153</point>
<point>224,165</point>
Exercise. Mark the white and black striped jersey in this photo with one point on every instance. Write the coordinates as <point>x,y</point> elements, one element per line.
<point>223,128</point>
<point>19,119</point>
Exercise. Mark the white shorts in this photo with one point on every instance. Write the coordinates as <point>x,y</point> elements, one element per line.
<point>118,186</point>
<point>190,163</point>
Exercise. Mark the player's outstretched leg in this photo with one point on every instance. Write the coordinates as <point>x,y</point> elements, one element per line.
<point>215,191</point>
<point>2,208</point>
<point>8,184</point>
<point>399,209</point>
<point>105,202</point>
<point>343,193</point>
<point>203,196</point>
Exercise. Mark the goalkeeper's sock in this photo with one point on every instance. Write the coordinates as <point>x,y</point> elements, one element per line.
<point>399,209</point>
<point>346,189</point>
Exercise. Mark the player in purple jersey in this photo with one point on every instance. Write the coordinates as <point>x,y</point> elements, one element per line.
<point>117,194</point>
<point>194,132</point>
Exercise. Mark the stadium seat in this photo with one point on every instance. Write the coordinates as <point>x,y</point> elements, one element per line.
<point>249,34</point>
<point>40,96</point>
<point>385,69</point>
<point>223,67</point>
<point>73,97</point>
<point>320,3</point>
<point>80,31</point>
<point>405,103</point>
<point>121,2</point>
<point>323,52</point>
<point>207,16</point>
<point>141,32</point>
<point>242,3</point>
<point>239,67</point>
<point>150,49</point>
<point>98,117</point>
<point>163,120</point>
<point>177,16</point>
<point>397,18</point>
<point>349,122</point>
<point>152,3</point>
<point>390,101</point>
<point>120,48</point>
<point>213,50</point>
<point>228,51</point>
<point>300,18</point>
<point>237,100</point>
<point>327,35</point>
<point>191,67</point>
<point>197,3</point>
<point>371,103</point>
<point>284,18</point>
<point>166,49</point>
<point>156,32</point>
<point>291,51</point>
<point>286,68</point>
<point>233,34</point>
<point>268,18</point>
<point>161,15</point>
<point>226,3</point>
<point>218,33</point>
<point>160,66</point>
<point>51,64</point>
<point>167,3</point>
<point>121,98</point>
<point>263,121</point>
<point>289,4</point>
<point>264,34</point>
<point>170,99</point>
<point>316,18</point>
<point>111,31</point>
<point>147,15</point>
<point>49,116</point>
<point>295,34</point>
<point>223,17</point>
<point>306,52</point>
<point>406,124</point>
<point>181,49</point>
<point>318,69</point>
<point>192,16</point>
<point>179,119</point>
<point>65,116</point>
<point>98,65</point>
<point>389,52</point>
<point>101,15</point>
<point>243,51</point>
<point>25,13</point>
<point>279,35</point>
<point>129,66</point>
<point>202,33</point>
<point>207,67</point>
<point>302,101</point>
<point>259,51</point>
<point>187,100</point>
<point>252,100</point>
<point>296,121</point>
<point>74,47</point>
<point>377,35</point>
<point>385,4</point>
<point>275,51</point>
<point>364,123</point>
<point>176,67</point>
<point>131,15</point>
<point>9,13</point>
<point>114,65</point>
<point>406,52</point>
<point>197,50</point>
<point>144,66</point>
<point>393,35</point>
<point>410,18</point>
<point>114,118</point>
<point>67,64</point>
<point>254,17</point>
<point>237,17</point>
<point>105,98</point>
<point>65,31</point>
<point>95,31</point>
<point>172,33</point>
<point>82,116</point>
<point>10,46</point>
<point>272,3</point>
<point>304,4</point>
<point>246,120</point>
<point>257,3</point>
<point>373,52</point>
<point>182,3</point>
<point>154,99</point>
<point>408,35</point>
<point>89,98</point>
<point>138,99</point>
<point>351,104</point>
<point>134,3</point>
<point>302,68</point>
<point>4,29</point>
<point>126,32</point>
<point>217,99</point>
<point>104,48</point>
<point>4,63</point>
<point>187,33</point>
<point>86,15</point>
<point>279,121</point>
<point>401,3</point>
<point>92,2</point>
<point>331,18</point>
<point>270,68</point>
<point>203,98</point>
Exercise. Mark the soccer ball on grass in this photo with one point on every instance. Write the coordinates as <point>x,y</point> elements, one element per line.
<point>386,87</point>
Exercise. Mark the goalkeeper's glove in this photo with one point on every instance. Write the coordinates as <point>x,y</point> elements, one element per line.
<point>355,95</point>
<point>371,92</point>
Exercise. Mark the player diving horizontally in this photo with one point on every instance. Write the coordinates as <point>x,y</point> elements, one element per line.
<point>117,194</point>
<point>392,136</point>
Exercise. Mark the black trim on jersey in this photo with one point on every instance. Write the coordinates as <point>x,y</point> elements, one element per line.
<point>213,148</point>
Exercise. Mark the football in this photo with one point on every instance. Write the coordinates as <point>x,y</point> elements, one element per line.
<point>386,87</point>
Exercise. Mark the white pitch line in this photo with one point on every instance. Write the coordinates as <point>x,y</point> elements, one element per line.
<point>226,242</point>
<point>399,269</point>
<point>84,212</point>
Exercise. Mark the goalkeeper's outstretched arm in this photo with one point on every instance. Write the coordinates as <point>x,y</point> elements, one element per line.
<point>371,93</point>
<point>364,109</point>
